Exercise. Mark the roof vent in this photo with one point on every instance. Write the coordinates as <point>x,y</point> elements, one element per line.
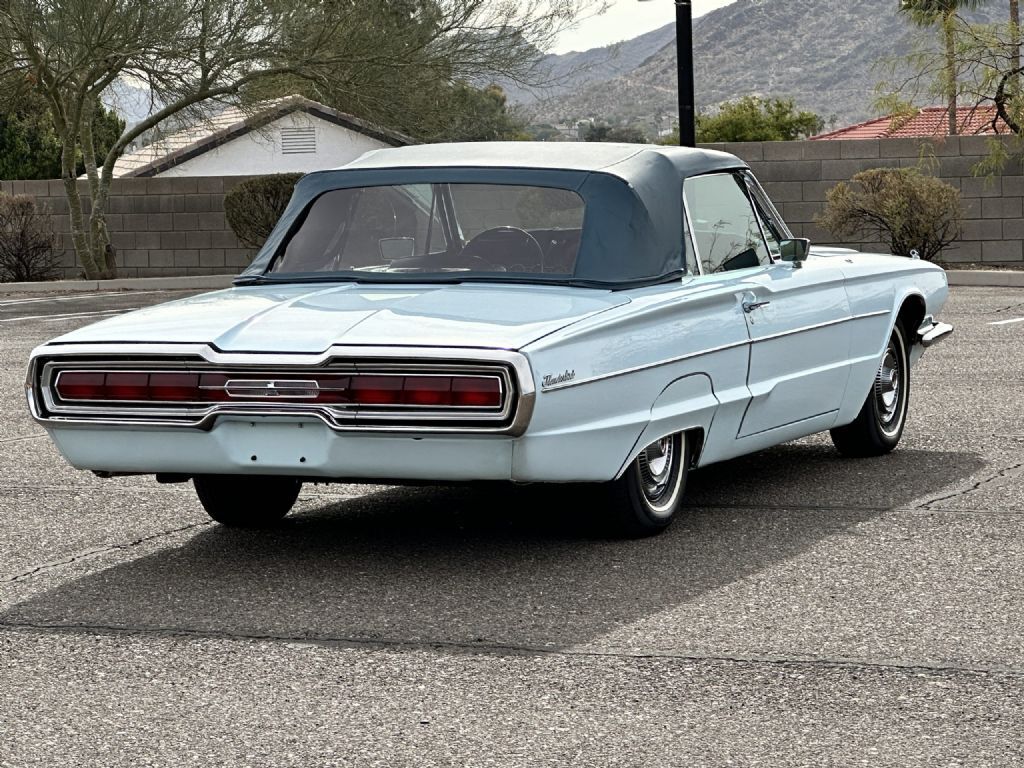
<point>298,140</point>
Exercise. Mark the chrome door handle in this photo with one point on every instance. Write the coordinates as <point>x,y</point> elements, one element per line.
<point>750,306</point>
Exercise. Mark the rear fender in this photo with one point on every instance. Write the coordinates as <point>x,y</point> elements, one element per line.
<point>688,403</point>
<point>914,306</point>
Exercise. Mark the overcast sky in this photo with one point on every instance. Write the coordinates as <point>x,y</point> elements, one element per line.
<point>625,20</point>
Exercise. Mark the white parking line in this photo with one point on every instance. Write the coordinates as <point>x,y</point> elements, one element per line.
<point>1009,322</point>
<point>68,316</point>
<point>15,302</point>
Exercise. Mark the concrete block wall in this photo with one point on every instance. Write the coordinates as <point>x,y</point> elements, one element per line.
<point>160,227</point>
<point>176,226</point>
<point>797,175</point>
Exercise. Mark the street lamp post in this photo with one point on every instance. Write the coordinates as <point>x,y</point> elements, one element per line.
<point>684,59</point>
<point>684,64</point>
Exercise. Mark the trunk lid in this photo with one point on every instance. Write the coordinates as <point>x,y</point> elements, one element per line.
<point>312,318</point>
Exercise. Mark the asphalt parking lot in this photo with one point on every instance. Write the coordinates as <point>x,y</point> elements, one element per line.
<point>807,609</point>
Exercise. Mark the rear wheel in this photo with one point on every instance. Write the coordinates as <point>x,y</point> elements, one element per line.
<point>646,498</point>
<point>244,501</point>
<point>879,426</point>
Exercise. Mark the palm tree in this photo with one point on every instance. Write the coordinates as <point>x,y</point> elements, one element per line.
<point>942,13</point>
<point>1015,34</point>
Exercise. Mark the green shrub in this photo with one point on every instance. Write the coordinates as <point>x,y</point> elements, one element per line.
<point>899,206</point>
<point>254,206</point>
<point>26,241</point>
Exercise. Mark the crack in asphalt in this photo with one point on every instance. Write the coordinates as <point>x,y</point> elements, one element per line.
<point>1007,473</point>
<point>98,552</point>
<point>1011,308</point>
<point>25,437</point>
<point>490,648</point>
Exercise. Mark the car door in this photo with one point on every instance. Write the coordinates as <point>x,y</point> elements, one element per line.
<point>796,313</point>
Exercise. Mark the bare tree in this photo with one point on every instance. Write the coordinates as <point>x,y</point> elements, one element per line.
<point>190,52</point>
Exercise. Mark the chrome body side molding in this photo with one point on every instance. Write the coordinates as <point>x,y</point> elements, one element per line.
<point>748,342</point>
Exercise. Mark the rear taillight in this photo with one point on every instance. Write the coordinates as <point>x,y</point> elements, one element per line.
<point>378,390</point>
<point>476,392</point>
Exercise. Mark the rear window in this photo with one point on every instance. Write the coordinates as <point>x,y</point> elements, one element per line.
<point>488,229</point>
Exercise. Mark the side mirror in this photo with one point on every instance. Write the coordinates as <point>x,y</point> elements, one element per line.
<point>795,250</point>
<point>394,248</point>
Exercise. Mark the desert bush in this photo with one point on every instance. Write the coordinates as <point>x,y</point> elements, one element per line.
<point>899,206</point>
<point>26,241</point>
<point>253,207</point>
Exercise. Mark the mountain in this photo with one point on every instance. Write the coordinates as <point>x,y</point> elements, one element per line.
<point>132,100</point>
<point>826,55</point>
<point>568,73</point>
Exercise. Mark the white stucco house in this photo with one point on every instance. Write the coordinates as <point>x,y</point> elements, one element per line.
<point>293,134</point>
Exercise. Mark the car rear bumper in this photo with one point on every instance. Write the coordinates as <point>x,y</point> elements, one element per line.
<point>308,448</point>
<point>294,447</point>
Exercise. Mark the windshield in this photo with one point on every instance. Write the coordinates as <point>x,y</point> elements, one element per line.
<point>445,230</point>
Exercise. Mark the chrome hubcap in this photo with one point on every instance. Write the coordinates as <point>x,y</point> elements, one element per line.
<point>888,385</point>
<point>656,464</point>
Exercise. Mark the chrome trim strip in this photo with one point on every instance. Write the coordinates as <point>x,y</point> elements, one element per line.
<point>405,359</point>
<point>818,326</point>
<point>740,436</point>
<point>691,238</point>
<point>645,367</point>
<point>724,347</point>
<point>304,389</point>
<point>257,397</point>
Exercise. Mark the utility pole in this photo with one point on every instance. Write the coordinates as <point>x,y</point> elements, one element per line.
<point>684,58</point>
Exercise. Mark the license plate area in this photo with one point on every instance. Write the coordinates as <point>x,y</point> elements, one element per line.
<point>266,444</point>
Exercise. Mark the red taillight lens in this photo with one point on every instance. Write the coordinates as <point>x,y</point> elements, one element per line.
<point>127,386</point>
<point>359,389</point>
<point>478,392</point>
<point>427,390</point>
<point>377,390</point>
<point>81,386</point>
<point>212,388</point>
<point>174,387</point>
<point>334,389</point>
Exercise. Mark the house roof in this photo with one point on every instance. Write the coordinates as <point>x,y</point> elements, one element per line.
<point>233,122</point>
<point>926,123</point>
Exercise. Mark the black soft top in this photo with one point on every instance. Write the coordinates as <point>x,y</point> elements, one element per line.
<point>632,230</point>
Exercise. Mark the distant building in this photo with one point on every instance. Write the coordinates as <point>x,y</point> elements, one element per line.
<point>930,122</point>
<point>293,134</point>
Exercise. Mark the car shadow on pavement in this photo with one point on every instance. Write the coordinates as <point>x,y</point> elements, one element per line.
<point>490,566</point>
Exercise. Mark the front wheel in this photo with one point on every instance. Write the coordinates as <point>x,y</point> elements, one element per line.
<point>879,426</point>
<point>246,501</point>
<point>647,496</point>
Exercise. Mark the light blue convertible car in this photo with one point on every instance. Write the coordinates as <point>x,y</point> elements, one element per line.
<point>603,314</point>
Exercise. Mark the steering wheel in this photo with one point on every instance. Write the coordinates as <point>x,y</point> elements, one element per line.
<point>502,247</point>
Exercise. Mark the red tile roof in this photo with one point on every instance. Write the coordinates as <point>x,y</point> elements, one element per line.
<point>927,123</point>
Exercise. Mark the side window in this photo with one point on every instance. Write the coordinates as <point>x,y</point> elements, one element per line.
<point>775,230</point>
<point>726,229</point>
